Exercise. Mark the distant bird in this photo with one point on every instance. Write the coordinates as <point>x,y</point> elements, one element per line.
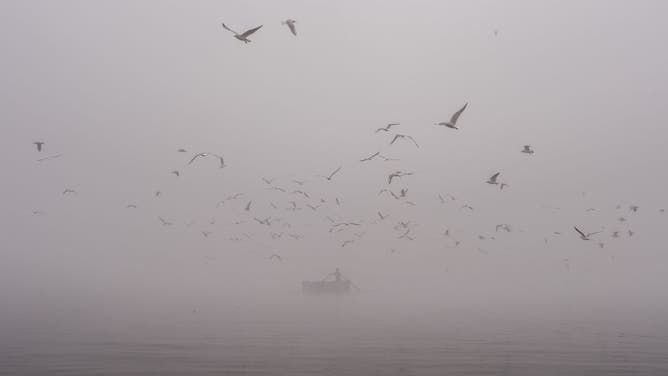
<point>492,179</point>
<point>176,172</point>
<point>504,227</point>
<point>405,235</point>
<point>301,193</point>
<point>243,36</point>
<point>38,212</point>
<point>329,178</point>
<point>39,145</point>
<point>633,208</point>
<point>441,198</point>
<point>265,221</point>
<point>527,149</point>
<point>222,161</point>
<point>467,207</point>
<point>164,222</point>
<point>631,233</point>
<point>387,128</point>
<point>621,219</point>
<point>314,208</point>
<point>453,120</point>
<point>372,156</point>
<point>386,159</point>
<point>582,234</point>
<point>157,193</point>
<point>291,24</point>
<point>346,242</point>
<point>206,233</point>
<point>248,205</point>
<point>234,196</point>
<point>615,234</point>
<point>277,189</point>
<point>503,185</point>
<point>276,257</point>
<point>295,236</point>
<point>397,174</point>
<point>338,202</point>
<point>411,203</point>
<point>66,191</point>
<point>131,206</point>
<point>268,181</point>
<point>388,191</point>
<point>381,216</point>
<point>49,158</point>
<point>403,137</point>
<point>182,151</point>
<point>590,209</point>
<point>299,182</point>
<point>601,245</point>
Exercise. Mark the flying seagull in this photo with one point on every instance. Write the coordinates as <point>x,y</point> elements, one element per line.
<point>492,179</point>
<point>176,172</point>
<point>275,257</point>
<point>66,191</point>
<point>387,128</point>
<point>39,145</point>
<point>582,234</point>
<point>131,206</point>
<point>248,205</point>
<point>182,150</point>
<point>243,36</point>
<point>222,161</point>
<point>330,175</point>
<point>164,222</point>
<point>527,149</point>
<point>453,120</point>
<point>397,174</point>
<point>372,156</point>
<point>291,24</point>
<point>268,181</point>
<point>404,136</point>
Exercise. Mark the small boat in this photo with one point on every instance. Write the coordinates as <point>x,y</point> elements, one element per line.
<point>337,285</point>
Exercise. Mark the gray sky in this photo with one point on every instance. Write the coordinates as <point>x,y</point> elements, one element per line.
<point>117,87</point>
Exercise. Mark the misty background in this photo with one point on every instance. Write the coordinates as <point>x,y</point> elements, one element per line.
<point>118,87</point>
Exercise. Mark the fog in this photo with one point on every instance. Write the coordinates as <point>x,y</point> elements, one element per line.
<point>114,89</point>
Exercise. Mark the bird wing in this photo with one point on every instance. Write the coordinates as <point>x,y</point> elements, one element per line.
<point>382,129</point>
<point>593,233</point>
<point>395,138</point>
<point>415,142</point>
<point>197,156</point>
<point>493,178</point>
<point>334,173</point>
<point>580,232</point>
<point>249,32</point>
<point>227,28</point>
<point>455,116</point>
<point>291,25</point>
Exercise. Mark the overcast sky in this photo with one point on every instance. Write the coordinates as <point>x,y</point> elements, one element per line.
<point>117,87</point>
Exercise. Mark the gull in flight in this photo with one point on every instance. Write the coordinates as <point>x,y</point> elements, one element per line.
<point>243,36</point>
<point>314,208</point>
<point>405,235</point>
<point>36,212</point>
<point>182,150</point>
<point>222,161</point>
<point>301,193</point>
<point>372,156</point>
<point>503,185</point>
<point>582,234</point>
<point>329,178</point>
<point>248,205</point>
<point>453,120</point>
<point>390,192</point>
<point>387,128</point>
<point>299,182</point>
<point>492,179</point>
<point>346,242</point>
<point>503,226</point>
<point>131,206</point>
<point>403,137</point>
<point>291,24</point>
<point>206,233</point>
<point>268,181</point>
<point>164,222</point>
<point>633,208</point>
<point>49,158</point>
<point>397,174</point>
<point>176,172</point>
<point>275,257</point>
<point>39,145</point>
<point>157,193</point>
<point>66,191</point>
<point>381,216</point>
<point>527,149</point>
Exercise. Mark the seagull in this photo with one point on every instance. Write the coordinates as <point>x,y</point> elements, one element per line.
<point>503,227</point>
<point>453,120</point>
<point>314,208</point>
<point>405,235</point>
<point>277,189</point>
<point>329,178</point>
<point>503,185</point>
<point>66,191</point>
<point>397,174</point>
<point>157,193</point>
<point>582,234</point>
<point>631,233</point>
<point>49,158</point>
<point>243,36</point>
<point>248,205</point>
<point>633,208</point>
<point>234,196</point>
<point>265,221</point>
<point>206,233</point>
<point>222,162</point>
<point>527,149</point>
<point>176,172</point>
<point>299,182</point>
<point>182,150</point>
<point>301,193</point>
<point>36,212</point>
<point>131,206</point>
<point>346,242</point>
<point>164,222</point>
<point>372,156</point>
<point>381,216</point>
<point>387,128</point>
<point>390,192</point>
<point>404,136</point>
<point>268,181</point>
<point>492,179</point>
<point>467,207</point>
<point>39,145</point>
<point>615,234</point>
<point>275,257</point>
<point>291,25</point>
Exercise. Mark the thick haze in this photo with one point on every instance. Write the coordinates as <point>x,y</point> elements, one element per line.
<point>117,87</point>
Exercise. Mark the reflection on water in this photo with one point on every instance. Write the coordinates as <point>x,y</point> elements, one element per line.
<point>318,343</point>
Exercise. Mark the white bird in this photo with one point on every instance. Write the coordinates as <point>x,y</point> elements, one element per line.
<point>39,145</point>
<point>243,36</point>
<point>291,24</point>
<point>453,120</point>
<point>222,161</point>
<point>275,257</point>
<point>387,128</point>
<point>329,178</point>
<point>372,156</point>
<point>397,174</point>
<point>403,136</point>
<point>66,191</point>
<point>164,222</point>
<point>176,172</point>
<point>248,206</point>
<point>268,181</point>
<point>492,179</point>
<point>503,226</point>
<point>582,234</point>
<point>527,149</point>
